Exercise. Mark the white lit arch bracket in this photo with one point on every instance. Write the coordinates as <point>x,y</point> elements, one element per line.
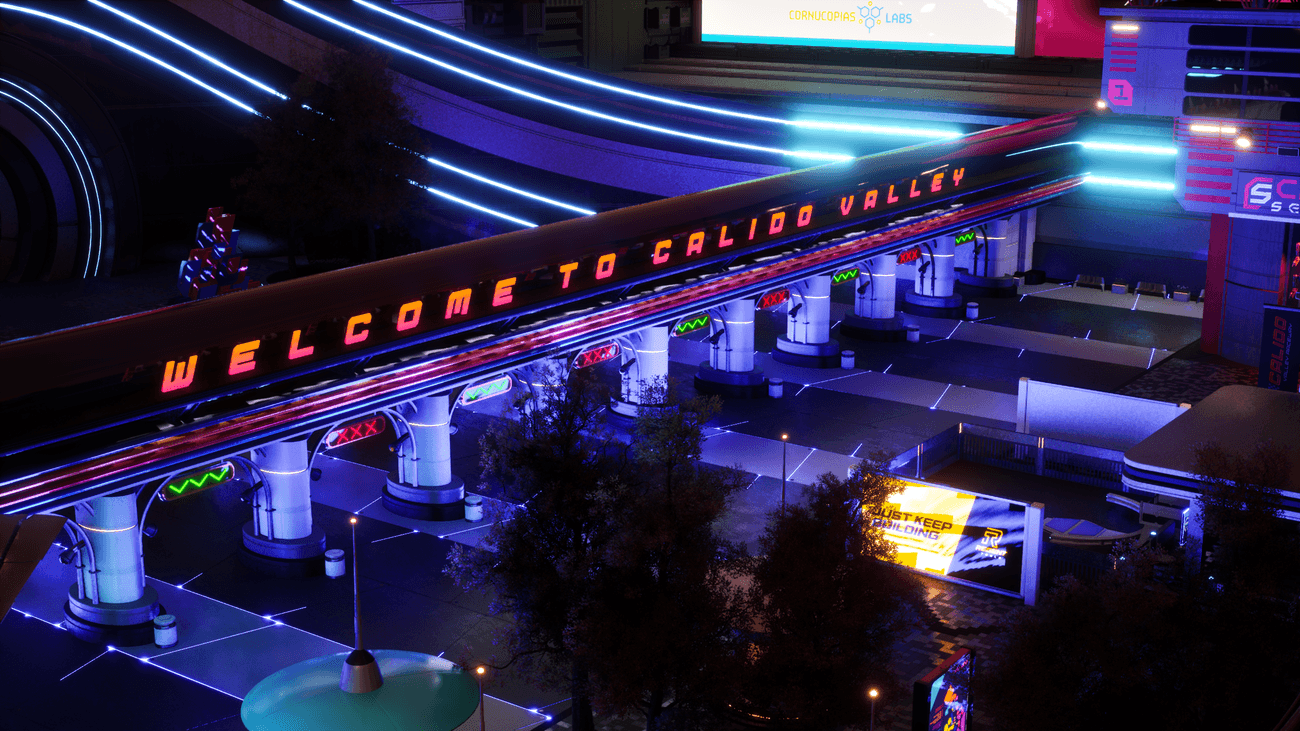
<point>874,316</point>
<point>807,341</point>
<point>730,369</point>
<point>53,198</point>
<point>644,366</point>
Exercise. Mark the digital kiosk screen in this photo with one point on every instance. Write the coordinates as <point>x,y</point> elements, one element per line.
<point>979,26</point>
<point>941,701</point>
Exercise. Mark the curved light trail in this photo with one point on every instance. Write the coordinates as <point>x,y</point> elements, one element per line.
<point>95,209</point>
<point>804,154</point>
<point>802,124</point>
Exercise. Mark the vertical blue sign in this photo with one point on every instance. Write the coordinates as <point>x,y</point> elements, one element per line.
<point>1279,349</point>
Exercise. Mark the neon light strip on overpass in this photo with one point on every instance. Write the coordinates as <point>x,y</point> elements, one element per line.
<point>809,155</point>
<point>49,486</point>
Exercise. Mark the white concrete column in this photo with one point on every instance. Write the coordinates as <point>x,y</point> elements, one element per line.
<point>1032,560</point>
<point>284,513</point>
<point>648,357</point>
<point>876,288</point>
<point>1004,247</point>
<point>734,351</point>
<point>937,280</point>
<point>810,303</point>
<point>425,459</point>
<point>423,486</point>
<point>1027,232</point>
<point>114,537</point>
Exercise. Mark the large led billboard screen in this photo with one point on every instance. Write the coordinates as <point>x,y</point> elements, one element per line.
<point>968,26</point>
<point>941,701</point>
<point>956,534</point>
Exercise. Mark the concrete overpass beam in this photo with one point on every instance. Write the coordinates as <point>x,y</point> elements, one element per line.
<point>423,486</point>
<point>730,370</point>
<point>874,316</point>
<point>281,540</point>
<point>114,564</point>
<point>807,341</point>
<point>645,367</point>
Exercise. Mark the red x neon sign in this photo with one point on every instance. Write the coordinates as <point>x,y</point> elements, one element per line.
<point>352,432</point>
<point>596,355</point>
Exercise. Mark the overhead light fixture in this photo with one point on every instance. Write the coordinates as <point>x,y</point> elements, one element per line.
<point>1101,104</point>
<point>1125,27</point>
<point>1245,140</point>
<point>1212,129</point>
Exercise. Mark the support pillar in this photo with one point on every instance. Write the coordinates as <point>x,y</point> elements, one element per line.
<point>807,341</point>
<point>730,370</point>
<point>126,606</point>
<point>932,294</point>
<point>1028,228</point>
<point>988,272</point>
<point>645,365</point>
<point>281,540</point>
<point>423,486</point>
<point>874,316</point>
<point>1193,536</point>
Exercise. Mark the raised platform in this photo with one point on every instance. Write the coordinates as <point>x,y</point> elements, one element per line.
<point>124,625</point>
<point>880,330</point>
<point>747,384</point>
<point>285,558</point>
<point>951,306</point>
<point>446,502</point>
<point>971,284</point>
<point>807,355</point>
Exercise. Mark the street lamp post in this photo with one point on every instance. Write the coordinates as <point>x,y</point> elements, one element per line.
<point>873,693</point>
<point>478,675</point>
<point>784,441</point>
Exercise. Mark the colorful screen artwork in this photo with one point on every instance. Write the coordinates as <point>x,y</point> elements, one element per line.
<point>942,699</point>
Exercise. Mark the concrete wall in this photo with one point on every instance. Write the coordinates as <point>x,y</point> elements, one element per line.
<point>1137,239</point>
<point>1255,257</point>
<point>1089,417</point>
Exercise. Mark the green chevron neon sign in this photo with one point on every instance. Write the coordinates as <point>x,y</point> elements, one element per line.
<point>197,482</point>
<point>965,237</point>
<point>844,275</point>
<point>691,324</point>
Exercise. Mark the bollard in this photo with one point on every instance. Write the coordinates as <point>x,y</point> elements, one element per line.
<point>847,359</point>
<point>775,387</point>
<point>913,333</point>
<point>972,310</point>
<point>164,631</point>
<point>473,508</point>
<point>335,566</point>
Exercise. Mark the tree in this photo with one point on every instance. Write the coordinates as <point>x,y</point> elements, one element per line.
<point>1241,508</point>
<point>563,466</point>
<point>666,615</point>
<point>827,606</point>
<point>337,155</point>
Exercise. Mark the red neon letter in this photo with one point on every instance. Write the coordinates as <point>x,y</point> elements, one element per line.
<point>753,223</point>
<point>294,351</point>
<point>890,197</point>
<point>913,192</point>
<point>458,303</point>
<point>869,200</point>
<point>566,270</point>
<point>846,205</point>
<point>723,241</point>
<point>241,358</point>
<point>605,266</point>
<point>503,294</point>
<point>695,244</point>
<point>805,217</point>
<point>660,258</point>
<point>957,175</point>
<point>407,317</point>
<point>936,183</point>
<point>778,223</point>
<point>179,375</point>
<point>352,335</point>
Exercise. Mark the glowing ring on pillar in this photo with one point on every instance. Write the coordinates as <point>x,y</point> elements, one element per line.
<point>106,530</point>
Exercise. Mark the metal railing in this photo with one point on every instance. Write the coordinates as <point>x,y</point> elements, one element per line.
<point>1010,450</point>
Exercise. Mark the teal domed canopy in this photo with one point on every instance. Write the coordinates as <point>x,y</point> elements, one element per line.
<point>419,691</point>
